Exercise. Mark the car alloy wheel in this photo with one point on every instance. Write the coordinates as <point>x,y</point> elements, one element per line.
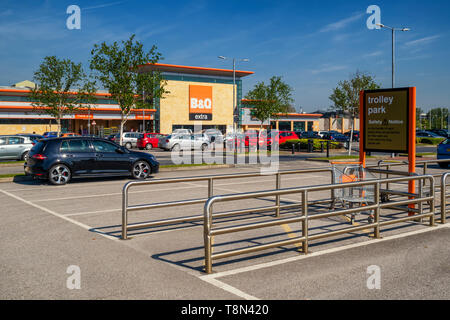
<point>25,156</point>
<point>149,146</point>
<point>176,148</point>
<point>141,170</point>
<point>204,147</point>
<point>59,175</point>
<point>128,145</point>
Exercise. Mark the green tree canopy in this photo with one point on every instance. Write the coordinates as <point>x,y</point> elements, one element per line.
<point>345,96</point>
<point>271,99</point>
<point>116,66</point>
<point>61,88</point>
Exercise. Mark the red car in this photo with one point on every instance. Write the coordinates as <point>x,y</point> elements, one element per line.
<point>251,138</point>
<point>148,141</point>
<point>281,137</point>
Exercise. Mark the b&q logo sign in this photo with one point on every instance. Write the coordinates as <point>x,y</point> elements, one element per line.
<point>200,102</point>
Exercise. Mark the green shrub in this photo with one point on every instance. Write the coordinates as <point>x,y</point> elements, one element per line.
<point>304,144</point>
<point>432,141</point>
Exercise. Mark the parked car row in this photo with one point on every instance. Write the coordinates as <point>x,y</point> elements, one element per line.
<point>432,134</point>
<point>328,135</point>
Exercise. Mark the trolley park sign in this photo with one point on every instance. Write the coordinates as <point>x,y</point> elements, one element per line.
<point>386,125</point>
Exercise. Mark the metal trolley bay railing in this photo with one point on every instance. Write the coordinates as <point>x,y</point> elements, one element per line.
<point>305,218</point>
<point>126,208</point>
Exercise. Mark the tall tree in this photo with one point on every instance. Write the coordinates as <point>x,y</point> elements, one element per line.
<point>438,118</point>
<point>116,66</point>
<point>270,100</point>
<point>346,96</point>
<point>61,89</point>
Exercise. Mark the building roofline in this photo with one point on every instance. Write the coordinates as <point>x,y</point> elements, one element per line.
<point>23,90</point>
<point>163,67</point>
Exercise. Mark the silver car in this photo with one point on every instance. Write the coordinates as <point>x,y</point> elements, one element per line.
<point>15,147</point>
<point>214,135</point>
<point>184,142</point>
<point>129,139</point>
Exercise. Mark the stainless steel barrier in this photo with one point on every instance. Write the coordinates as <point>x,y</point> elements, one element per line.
<point>305,218</point>
<point>444,197</point>
<point>423,163</point>
<point>210,179</point>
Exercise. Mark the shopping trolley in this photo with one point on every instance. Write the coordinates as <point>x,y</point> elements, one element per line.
<point>348,172</point>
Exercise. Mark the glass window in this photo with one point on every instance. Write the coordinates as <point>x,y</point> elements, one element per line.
<point>103,146</point>
<point>15,140</point>
<point>64,146</point>
<point>299,126</point>
<point>79,146</point>
<point>39,147</point>
<point>284,125</point>
<point>2,140</point>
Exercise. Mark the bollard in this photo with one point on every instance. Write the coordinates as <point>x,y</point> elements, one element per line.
<point>321,146</point>
<point>328,148</point>
<point>293,148</point>
<point>310,146</point>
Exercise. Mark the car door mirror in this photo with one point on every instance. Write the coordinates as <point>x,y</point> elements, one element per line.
<point>120,150</point>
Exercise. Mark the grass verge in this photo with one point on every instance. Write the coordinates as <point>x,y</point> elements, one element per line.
<point>12,162</point>
<point>11,175</point>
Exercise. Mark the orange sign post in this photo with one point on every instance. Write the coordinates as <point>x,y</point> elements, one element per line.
<point>388,124</point>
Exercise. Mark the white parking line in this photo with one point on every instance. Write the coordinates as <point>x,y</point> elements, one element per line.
<point>167,189</point>
<point>91,212</point>
<point>319,253</point>
<point>82,225</point>
<point>112,194</point>
<point>227,287</point>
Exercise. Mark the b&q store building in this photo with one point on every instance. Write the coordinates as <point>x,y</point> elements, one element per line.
<point>196,96</point>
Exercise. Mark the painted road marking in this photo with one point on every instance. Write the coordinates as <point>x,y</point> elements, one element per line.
<point>158,190</point>
<point>82,225</point>
<point>231,289</point>
<point>292,235</point>
<point>320,253</point>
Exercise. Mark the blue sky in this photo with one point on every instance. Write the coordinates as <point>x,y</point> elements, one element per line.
<point>311,44</point>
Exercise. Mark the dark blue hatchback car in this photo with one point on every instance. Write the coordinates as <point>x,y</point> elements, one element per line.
<point>61,159</point>
<point>443,152</point>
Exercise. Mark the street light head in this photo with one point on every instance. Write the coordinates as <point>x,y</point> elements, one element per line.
<point>406,29</point>
<point>245,60</point>
<point>380,25</point>
<point>222,57</point>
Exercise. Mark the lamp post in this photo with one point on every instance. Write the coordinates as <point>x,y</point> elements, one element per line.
<point>235,112</point>
<point>393,53</point>
<point>393,47</point>
<point>143,114</point>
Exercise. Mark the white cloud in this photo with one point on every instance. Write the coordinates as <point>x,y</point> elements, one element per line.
<point>327,68</point>
<point>103,5</point>
<point>341,23</point>
<point>373,54</point>
<point>422,40</point>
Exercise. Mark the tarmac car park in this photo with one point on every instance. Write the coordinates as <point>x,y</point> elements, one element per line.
<point>80,224</point>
